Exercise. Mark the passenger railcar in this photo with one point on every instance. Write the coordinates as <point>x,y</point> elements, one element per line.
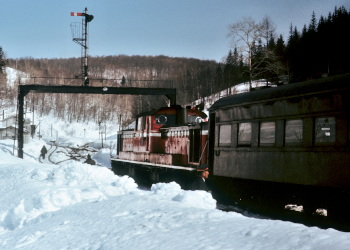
<point>166,144</point>
<point>288,143</point>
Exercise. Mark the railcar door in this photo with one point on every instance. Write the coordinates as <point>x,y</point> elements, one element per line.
<point>195,142</point>
<point>211,139</point>
<point>119,143</point>
<point>148,125</point>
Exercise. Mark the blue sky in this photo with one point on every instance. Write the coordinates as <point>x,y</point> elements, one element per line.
<point>177,28</point>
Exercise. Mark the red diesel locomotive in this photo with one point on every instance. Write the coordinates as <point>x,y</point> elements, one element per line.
<point>165,145</point>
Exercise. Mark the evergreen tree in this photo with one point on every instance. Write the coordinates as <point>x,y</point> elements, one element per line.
<point>313,23</point>
<point>219,79</point>
<point>228,71</point>
<point>2,61</point>
<point>322,48</point>
<point>280,47</point>
<point>2,70</point>
<point>237,70</point>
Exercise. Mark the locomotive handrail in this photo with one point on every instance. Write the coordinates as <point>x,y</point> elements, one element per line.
<point>200,158</point>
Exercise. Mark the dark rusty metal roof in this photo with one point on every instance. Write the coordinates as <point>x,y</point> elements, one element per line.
<point>286,91</point>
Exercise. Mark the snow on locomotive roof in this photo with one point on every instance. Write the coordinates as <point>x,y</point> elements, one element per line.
<point>285,91</point>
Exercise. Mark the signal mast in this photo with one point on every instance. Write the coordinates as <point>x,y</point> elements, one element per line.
<point>80,36</point>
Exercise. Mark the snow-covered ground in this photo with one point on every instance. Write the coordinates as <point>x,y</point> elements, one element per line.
<point>78,206</point>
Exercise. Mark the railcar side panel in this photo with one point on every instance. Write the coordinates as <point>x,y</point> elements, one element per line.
<point>323,169</point>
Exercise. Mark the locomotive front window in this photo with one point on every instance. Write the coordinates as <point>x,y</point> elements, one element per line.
<point>162,119</point>
<point>225,135</point>
<point>166,119</point>
<point>294,132</point>
<point>325,129</point>
<point>267,133</point>
<point>245,133</point>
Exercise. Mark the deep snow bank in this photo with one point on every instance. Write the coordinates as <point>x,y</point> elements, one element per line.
<point>31,189</point>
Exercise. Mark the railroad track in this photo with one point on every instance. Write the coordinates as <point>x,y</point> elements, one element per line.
<point>60,153</point>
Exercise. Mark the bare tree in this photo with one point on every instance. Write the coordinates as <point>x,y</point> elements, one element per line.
<point>245,35</point>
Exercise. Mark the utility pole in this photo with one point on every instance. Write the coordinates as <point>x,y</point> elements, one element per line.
<point>82,39</point>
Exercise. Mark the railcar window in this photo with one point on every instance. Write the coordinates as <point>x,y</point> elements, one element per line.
<point>224,135</point>
<point>325,129</point>
<point>267,133</point>
<point>294,132</point>
<point>245,133</point>
<point>194,119</point>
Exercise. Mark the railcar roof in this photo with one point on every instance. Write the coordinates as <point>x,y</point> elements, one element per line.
<point>285,91</point>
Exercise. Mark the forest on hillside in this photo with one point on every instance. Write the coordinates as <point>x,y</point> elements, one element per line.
<point>318,50</point>
<point>187,75</point>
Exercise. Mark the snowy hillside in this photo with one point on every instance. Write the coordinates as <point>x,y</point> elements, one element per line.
<point>234,90</point>
<point>13,76</point>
